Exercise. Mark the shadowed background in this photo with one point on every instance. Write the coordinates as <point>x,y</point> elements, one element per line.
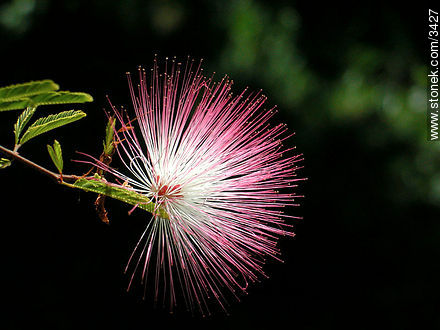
<point>351,82</point>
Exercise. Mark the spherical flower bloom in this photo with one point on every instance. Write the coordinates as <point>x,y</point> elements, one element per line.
<point>215,164</point>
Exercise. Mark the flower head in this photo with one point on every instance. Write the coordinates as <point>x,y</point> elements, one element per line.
<point>213,161</point>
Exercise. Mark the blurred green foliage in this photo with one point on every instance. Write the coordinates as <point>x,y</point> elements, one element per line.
<point>387,86</point>
<point>14,16</point>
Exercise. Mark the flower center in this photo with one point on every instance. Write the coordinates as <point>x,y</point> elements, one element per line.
<point>164,192</point>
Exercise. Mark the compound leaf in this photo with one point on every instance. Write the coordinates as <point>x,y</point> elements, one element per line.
<point>124,194</point>
<point>22,120</point>
<point>20,91</point>
<point>4,162</point>
<point>15,104</point>
<point>45,124</point>
<point>56,155</point>
<point>60,98</point>
<point>109,136</point>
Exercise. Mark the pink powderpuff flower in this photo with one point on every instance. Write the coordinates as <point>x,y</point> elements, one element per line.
<point>215,164</point>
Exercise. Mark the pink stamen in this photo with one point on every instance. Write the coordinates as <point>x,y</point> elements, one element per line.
<point>216,164</point>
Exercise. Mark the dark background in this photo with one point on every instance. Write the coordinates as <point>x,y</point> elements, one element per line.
<point>351,82</point>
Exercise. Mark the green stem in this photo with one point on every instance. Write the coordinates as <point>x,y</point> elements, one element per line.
<point>55,176</point>
<point>93,184</point>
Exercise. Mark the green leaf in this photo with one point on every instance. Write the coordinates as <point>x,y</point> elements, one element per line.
<point>60,98</point>
<point>109,136</point>
<point>56,155</point>
<point>124,194</point>
<point>46,98</point>
<point>22,120</point>
<point>34,93</point>
<point>51,122</point>
<point>21,91</point>
<point>4,162</point>
<point>15,104</point>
